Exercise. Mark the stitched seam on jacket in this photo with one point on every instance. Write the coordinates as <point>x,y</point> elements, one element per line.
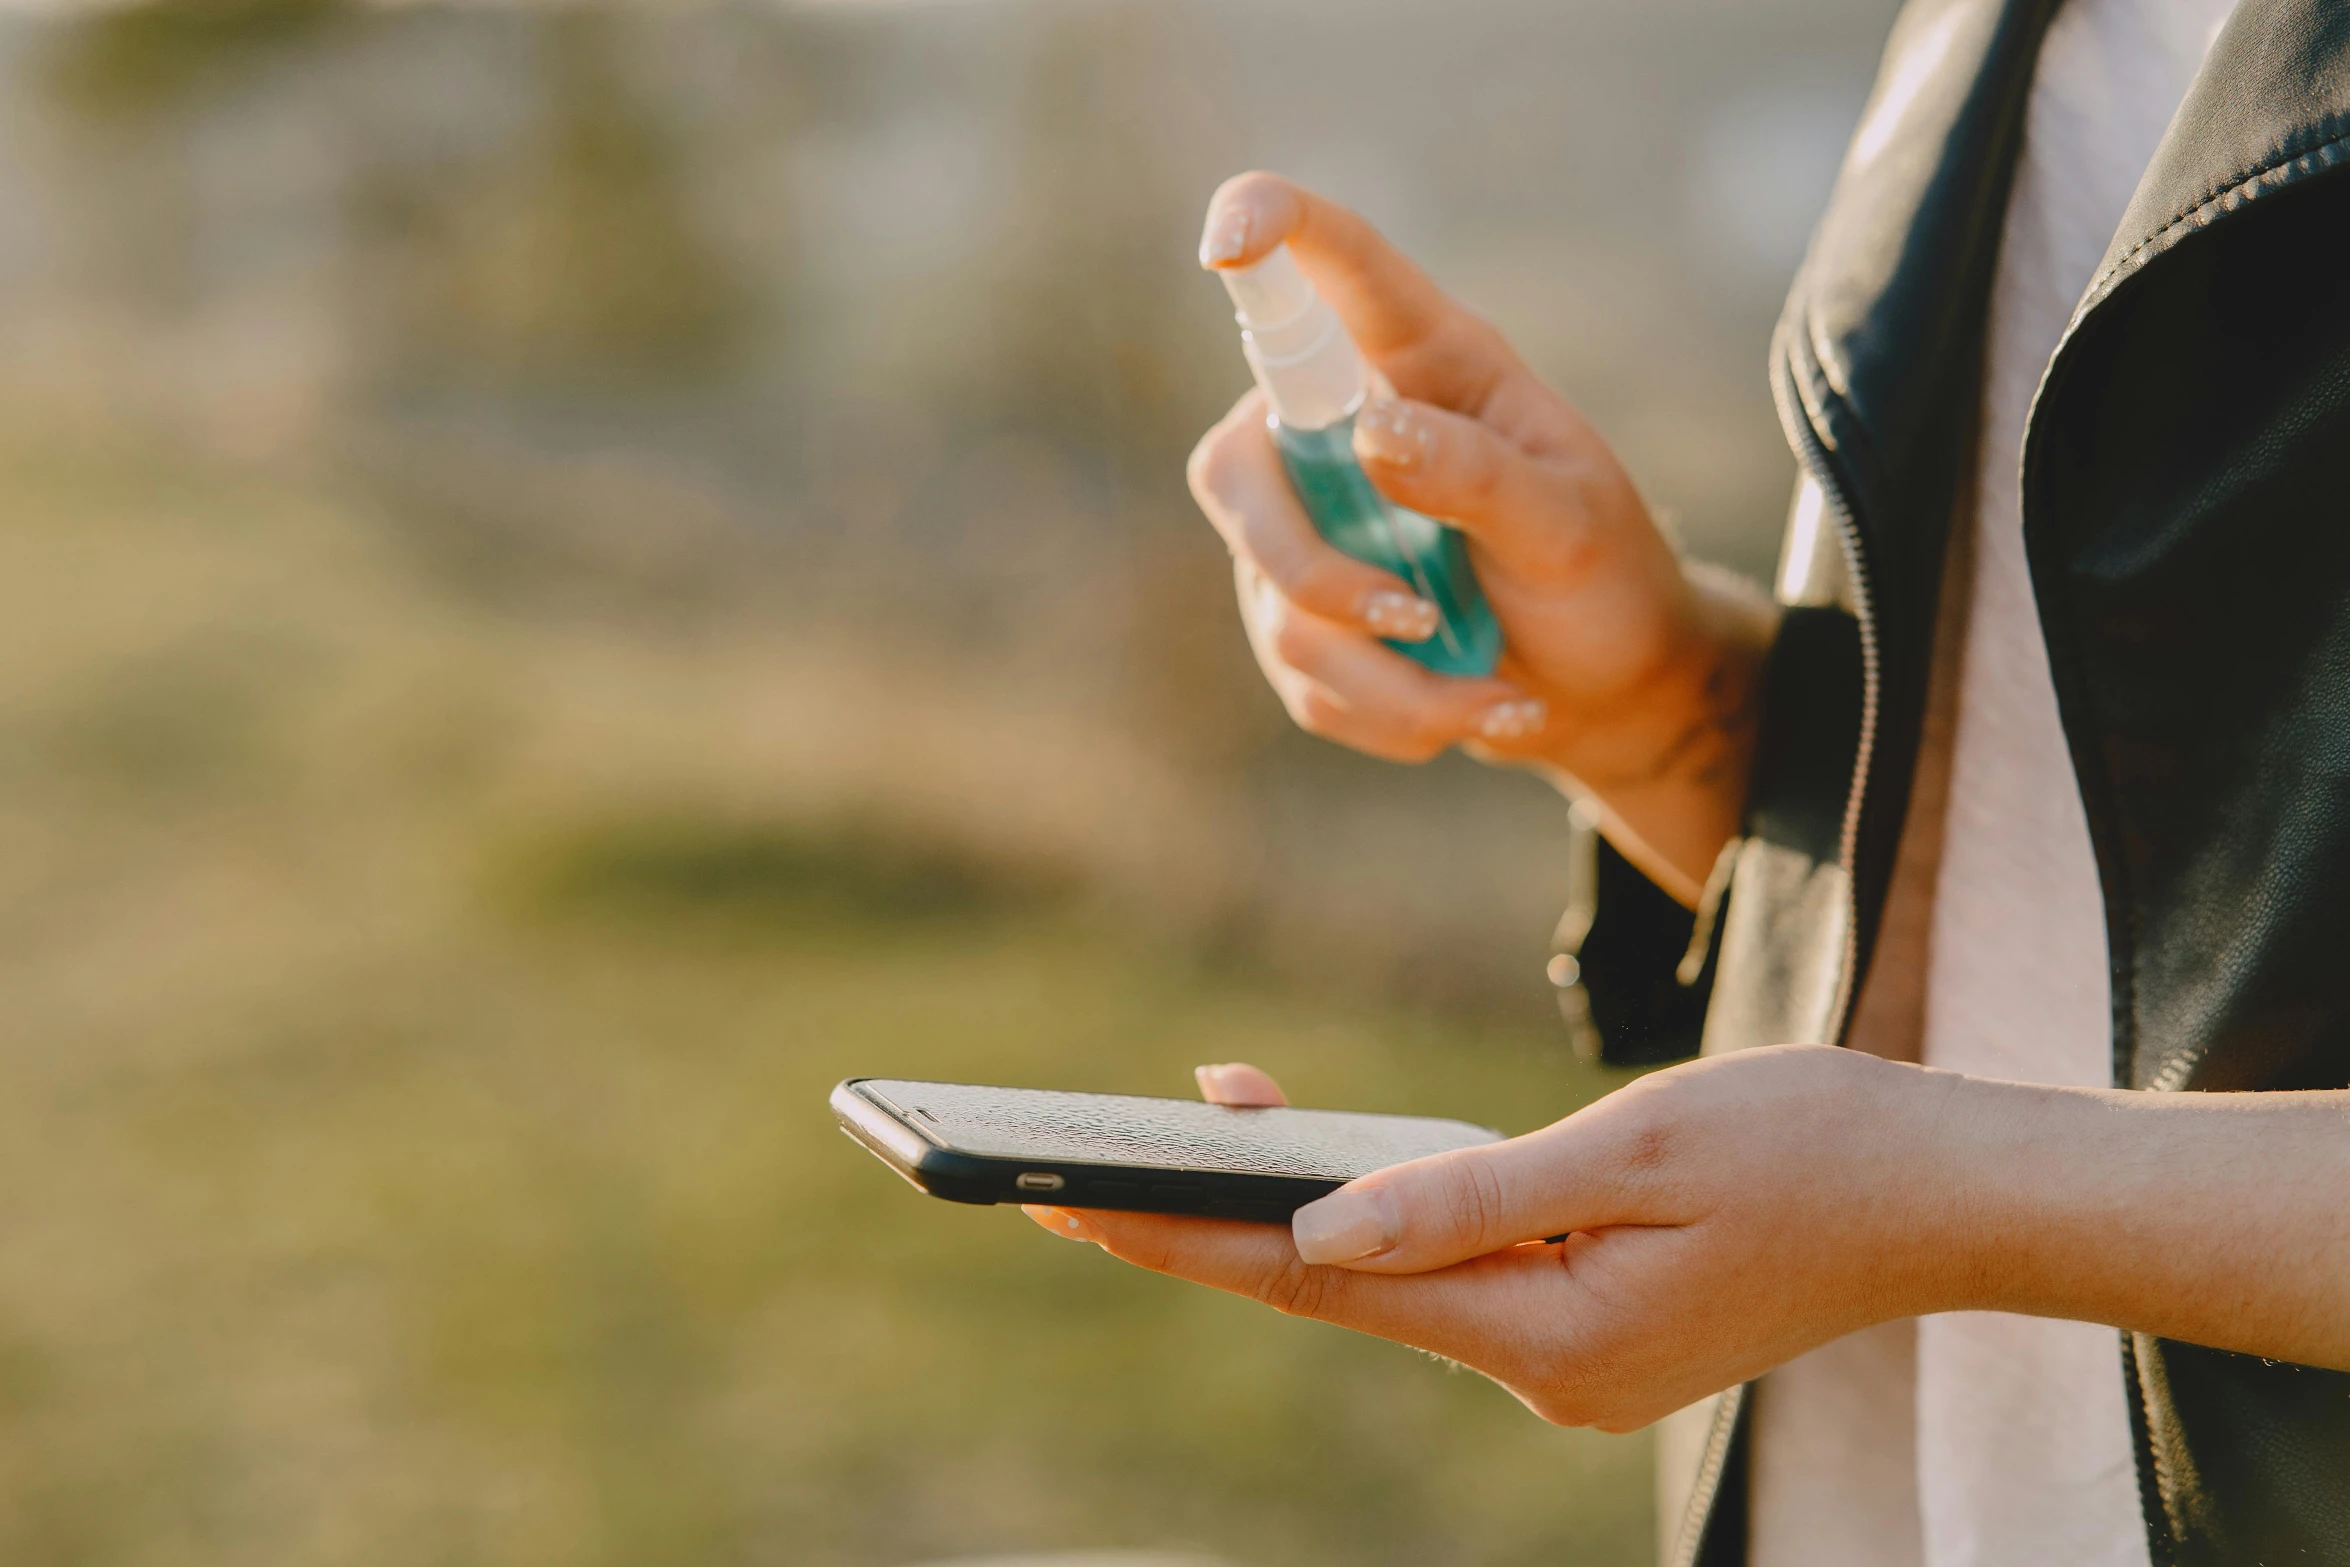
<point>2312,158</point>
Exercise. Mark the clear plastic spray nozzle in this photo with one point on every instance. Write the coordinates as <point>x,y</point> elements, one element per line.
<point>1295,345</point>
<point>1271,292</point>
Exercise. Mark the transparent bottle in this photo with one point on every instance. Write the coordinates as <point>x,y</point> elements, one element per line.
<point>1314,384</point>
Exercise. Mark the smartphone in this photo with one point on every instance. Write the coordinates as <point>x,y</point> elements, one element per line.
<point>968,1143</point>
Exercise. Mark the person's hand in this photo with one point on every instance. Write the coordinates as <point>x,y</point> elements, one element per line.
<point>1624,673</point>
<point>1726,1215</point>
<point>1722,1217</point>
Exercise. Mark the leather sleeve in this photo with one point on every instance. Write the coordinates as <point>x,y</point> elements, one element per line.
<point>1811,718</point>
<point>1629,960</point>
<point>1646,989</point>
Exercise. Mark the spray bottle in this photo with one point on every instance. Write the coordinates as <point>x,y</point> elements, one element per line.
<point>1314,384</point>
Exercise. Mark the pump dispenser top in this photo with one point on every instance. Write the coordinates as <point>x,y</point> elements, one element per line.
<point>1295,344</point>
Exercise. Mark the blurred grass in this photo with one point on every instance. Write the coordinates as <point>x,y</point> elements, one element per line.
<point>572,574</point>
<point>412,1140</point>
<point>702,874</point>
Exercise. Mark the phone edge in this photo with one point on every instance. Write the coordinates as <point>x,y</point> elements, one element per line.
<point>983,1180</point>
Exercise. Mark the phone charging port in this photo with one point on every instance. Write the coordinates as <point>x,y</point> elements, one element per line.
<point>1039,1181</point>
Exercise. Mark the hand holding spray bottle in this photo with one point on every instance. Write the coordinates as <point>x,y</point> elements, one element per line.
<point>1314,383</point>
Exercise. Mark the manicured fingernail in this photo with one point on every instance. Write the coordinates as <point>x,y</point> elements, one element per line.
<point>1264,598</point>
<point>1226,237</point>
<point>1211,1079</point>
<point>1402,616</point>
<point>1391,433</point>
<point>1068,1225</point>
<point>1512,720</point>
<point>1345,1226</point>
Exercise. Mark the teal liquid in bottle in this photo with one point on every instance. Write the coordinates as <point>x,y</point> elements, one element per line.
<point>1348,510</point>
<point>1314,381</point>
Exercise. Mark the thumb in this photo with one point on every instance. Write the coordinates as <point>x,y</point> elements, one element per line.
<point>1449,1207</point>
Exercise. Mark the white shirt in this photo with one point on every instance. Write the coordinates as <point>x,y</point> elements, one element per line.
<point>1978,1439</point>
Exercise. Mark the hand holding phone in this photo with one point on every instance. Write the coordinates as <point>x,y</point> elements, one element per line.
<point>1680,1235</point>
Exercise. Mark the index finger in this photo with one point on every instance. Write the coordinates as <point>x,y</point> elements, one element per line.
<point>1427,346</point>
<point>1450,1312</point>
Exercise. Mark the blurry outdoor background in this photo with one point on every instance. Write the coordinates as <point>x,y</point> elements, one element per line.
<point>570,576</point>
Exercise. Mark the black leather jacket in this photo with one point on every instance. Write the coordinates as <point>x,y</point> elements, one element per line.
<point>2187,518</point>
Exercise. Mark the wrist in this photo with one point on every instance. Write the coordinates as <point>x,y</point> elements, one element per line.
<point>2014,1179</point>
<point>1945,1240</point>
<point>1693,717</point>
<point>1669,768</point>
<point>2211,1218</point>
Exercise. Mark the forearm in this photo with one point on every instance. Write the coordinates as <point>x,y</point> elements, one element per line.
<point>1671,777</point>
<point>2216,1219</point>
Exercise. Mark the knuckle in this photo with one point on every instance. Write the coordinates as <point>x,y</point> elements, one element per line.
<point>1299,1289</point>
<point>1413,750</point>
<point>1146,1250</point>
<point>1316,713</point>
<point>1472,1201</point>
<point>1286,560</point>
<point>1480,471</point>
<point>1408,734</point>
<point>1648,1143</point>
<point>1289,636</point>
<point>1483,352</point>
<point>1648,1149</point>
<point>1489,342</point>
<point>1393,741</point>
<point>1317,581</point>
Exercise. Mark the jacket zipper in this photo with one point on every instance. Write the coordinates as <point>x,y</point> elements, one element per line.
<point>1864,753</point>
<point>1715,1459</point>
<point>1814,459</point>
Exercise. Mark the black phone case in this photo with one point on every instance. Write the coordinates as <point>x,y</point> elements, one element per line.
<point>1261,1165</point>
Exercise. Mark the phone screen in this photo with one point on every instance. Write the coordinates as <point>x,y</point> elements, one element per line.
<point>1056,1127</point>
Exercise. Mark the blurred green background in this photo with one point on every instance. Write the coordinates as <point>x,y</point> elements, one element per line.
<point>570,576</point>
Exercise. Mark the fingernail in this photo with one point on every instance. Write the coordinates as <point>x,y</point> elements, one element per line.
<point>1512,720</point>
<point>1402,616</point>
<point>1346,1226</point>
<point>1264,598</point>
<point>1226,237</point>
<point>1389,432</point>
<point>1067,1225</point>
<point>1210,1079</point>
